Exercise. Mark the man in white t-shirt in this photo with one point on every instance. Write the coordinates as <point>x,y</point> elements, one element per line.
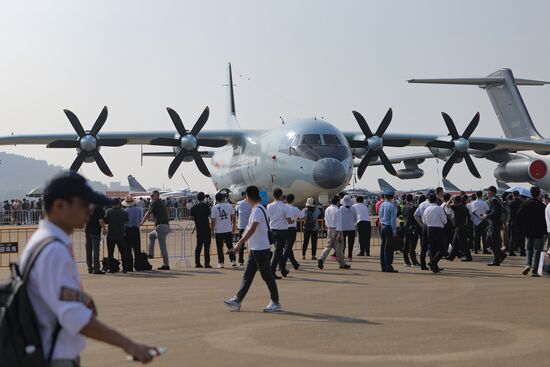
<point>279,219</point>
<point>222,222</point>
<point>294,214</point>
<point>256,234</point>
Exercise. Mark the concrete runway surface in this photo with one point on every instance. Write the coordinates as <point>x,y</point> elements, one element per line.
<point>468,315</point>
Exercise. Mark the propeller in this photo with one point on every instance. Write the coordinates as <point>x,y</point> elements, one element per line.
<point>88,142</point>
<point>188,142</point>
<point>460,145</point>
<point>375,142</point>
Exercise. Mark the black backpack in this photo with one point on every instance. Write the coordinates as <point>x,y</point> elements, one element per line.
<point>142,263</point>
<point>20,342</point>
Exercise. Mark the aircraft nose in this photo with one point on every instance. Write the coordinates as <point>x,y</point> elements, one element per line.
<point>329,173</point>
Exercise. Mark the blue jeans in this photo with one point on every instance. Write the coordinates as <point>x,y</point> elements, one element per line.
<point>533,246</point>
<point>161,232</point>
<point>386,253</point>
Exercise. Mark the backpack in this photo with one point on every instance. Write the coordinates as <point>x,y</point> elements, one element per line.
<point>142,263</point>
<point>113,267</point>
<point>310,221</point>
<point>20,342</point>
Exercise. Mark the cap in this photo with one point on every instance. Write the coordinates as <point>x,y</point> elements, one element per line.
<point>310,202</point>
<point>70,184</point>
<point>346,200</point>
<point>389,192</point>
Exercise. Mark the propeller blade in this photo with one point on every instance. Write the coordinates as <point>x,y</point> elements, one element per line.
<point>450,162</point>
<point>63,144</point>
<point>101,163</point>
<point>167,142</point>
<point>386,162</point>
<point>357,144</point>
<point>176,163</point>
<point>450,126</point>
<point>365,162</point>
<point>99,122</point>
<point>176,120</point>
<point>482,146</point>
<point>78,161</point>
<point>77,126</point>
<point>212,143</point>
<point>200,163</point>
<point>471,127</point>
<point>385,123</point>
<point>440,144</point>
<point>111,142</point>
<point>362,124</point>
<point>396,142</point>
<point>471,165</point>
<point>200,122</point>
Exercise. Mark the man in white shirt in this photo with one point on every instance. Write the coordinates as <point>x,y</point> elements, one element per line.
<point>363,226</point>
<point>222,222</point>
<point>256,234</point>
<point>478,209</point>
<point>54,286</point>
<point>434,218</point>
<point>334,240</point>
<point>279,219</point>
<point>423,203</point>
<point>294,214</point>
<point>242,210</point>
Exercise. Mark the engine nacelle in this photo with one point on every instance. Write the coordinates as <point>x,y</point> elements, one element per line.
<point>410,173</point>
<point>521,170</point>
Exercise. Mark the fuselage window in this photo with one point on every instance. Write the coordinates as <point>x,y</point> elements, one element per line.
<point>331,139</point>
<point>311,139</point>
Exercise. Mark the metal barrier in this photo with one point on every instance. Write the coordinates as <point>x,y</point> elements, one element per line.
<point>20,217</point>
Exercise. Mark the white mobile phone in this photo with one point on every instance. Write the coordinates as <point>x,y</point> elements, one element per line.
<point>152,352</point>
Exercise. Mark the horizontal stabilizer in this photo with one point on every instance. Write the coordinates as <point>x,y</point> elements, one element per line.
<point>477,81</point>
<point>206,154</point>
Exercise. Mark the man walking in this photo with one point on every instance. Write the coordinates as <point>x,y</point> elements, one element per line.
<point>334,241</point>
<point>494,215</point>
<point>434,218</point>
<point>363,225</point>
<point>94,227</point>
<point>258,242</point>
<point>200,212</point>
<point>117,218</point>
<point>459,218</point>
<point>243,210</point>
<point>531,220</point>
<point>311,214</point>
<point>347,219</point>
<point>294,214</point>
<point>222,221</point>
<point>279,219</point>
<point>388,228</point>
<point>162,228</point>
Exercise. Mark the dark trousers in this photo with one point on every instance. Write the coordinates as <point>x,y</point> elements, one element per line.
<point>92,251</point>
<point>288,254</point>
<point>226,238</point>
<point>279,237</point>
<point>313,236</point>
<point>448,232</point>
<point>241,251</point>
<point>258,260</point>
<point>480,236</point>
<point>424,246</point>
<point>363,231</point>
<point>133,242</point>
<point>203,240</point>
<point>436,238</point>
<point>386,253</point>
<point>495,239</point>
<point>516,241</point>
<point>460,245</point>
<point>350,236</point>
<point>121,245</point>
<point>409,248</point>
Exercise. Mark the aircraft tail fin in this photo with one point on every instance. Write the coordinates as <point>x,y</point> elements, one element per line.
<point>449,186</point>
<point>384,185</point>
<point>135,186</point>
<point>231,120</point>
<point>502,88</point>
<point>501,185</point>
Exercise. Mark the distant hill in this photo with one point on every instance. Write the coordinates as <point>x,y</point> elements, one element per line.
<point>19,175</point>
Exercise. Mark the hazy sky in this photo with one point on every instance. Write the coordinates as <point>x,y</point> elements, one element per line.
<point>290,58</point>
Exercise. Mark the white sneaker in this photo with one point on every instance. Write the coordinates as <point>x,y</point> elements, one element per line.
<point>234,264</point>
<point>233,304</point>
<point>219,266</point>
<point>273,307</point>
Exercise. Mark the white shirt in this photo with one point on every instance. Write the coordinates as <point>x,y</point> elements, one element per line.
<point>434,216</point>
<point>55,268</point>
<point>419,212</point>
<point>243,212</point>
<point>295,214</point>
<point>478,208</point>
<point>222,213</point>
<point>362,212</point>
<point>448,210</point>
<point>331,216</point>
<point>259,240</point>
<point>347,218</point>
<point>277,213</point>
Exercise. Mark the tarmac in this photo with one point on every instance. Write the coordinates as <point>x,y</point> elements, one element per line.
<point>468,315</point>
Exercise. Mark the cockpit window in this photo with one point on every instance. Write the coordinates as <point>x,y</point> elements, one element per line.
<point>289,141</point>
<point>331,139</point>
<point>311,139</point>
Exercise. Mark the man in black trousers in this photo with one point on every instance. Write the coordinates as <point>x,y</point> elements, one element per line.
<point>494,216</point>
<point>434,218</point>
<point>201,215</point>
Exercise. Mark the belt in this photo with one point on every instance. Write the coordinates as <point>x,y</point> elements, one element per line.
<point>65,362</point>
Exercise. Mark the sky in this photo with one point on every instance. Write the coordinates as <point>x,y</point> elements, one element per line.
<point>290,58</point>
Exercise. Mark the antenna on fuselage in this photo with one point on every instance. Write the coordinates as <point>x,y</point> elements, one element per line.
<point>282,120</point>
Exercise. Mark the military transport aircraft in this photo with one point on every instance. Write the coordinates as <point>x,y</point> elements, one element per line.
<point>312,157</point>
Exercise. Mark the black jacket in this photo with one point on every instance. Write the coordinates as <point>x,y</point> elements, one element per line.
<point>531,219</point>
